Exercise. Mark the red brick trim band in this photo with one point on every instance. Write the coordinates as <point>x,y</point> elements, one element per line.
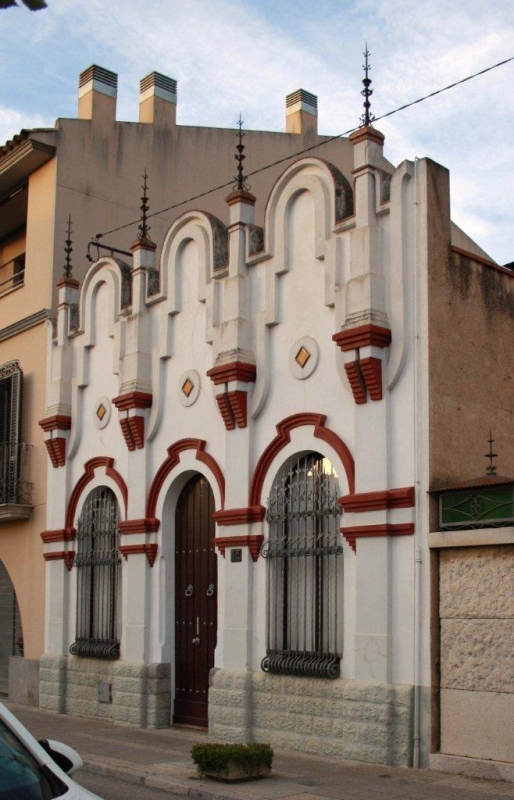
<point>367,531</point>
<point>61,535</point>
<point>125,402</point>
<point>283,438</point>
<point>65,555</point>
<point>371,370</point>
<point>363,336</point>
<point>225,410</point>
<point>377,501</point>
<point>133,430</point>
<point>253,542</point>
<point>149,550</point>
<point>356,381</point>
<point>240,196</point>
<point>72,283</point>
<point>56,449</point>
<point>59,422</point>
<point>234,371</point>
<point>144,525</point>
<point>232,407</point>
<point>173,459</point>
<point>239,516</point>
<point>89,473</point>
<point>367,133</point>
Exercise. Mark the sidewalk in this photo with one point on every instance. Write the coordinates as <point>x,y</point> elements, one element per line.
<point>161,760</point>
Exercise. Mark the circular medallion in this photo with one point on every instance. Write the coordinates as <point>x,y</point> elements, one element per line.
<point>303,357</point>
<point>102,412</point>
<point>189,387</point>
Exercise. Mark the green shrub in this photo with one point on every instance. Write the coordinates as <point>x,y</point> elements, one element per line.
<point>215,757</point>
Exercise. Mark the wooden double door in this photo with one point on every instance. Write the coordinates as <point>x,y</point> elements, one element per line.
<point>195,601</point>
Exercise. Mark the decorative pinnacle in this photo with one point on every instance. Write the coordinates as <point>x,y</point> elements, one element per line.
<point>68,268</point>
<point>240,184</point>
<point>366,118</point>
<point>491,468</point>
<point>144,229</point>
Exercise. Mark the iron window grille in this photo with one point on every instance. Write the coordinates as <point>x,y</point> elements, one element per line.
<point>98,568</point>
<point>304,555</point>
<point>14,488</point>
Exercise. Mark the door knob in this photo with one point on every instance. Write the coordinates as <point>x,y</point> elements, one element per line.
<point>196,640</point>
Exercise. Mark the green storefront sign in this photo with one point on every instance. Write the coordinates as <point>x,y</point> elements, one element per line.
<point>477,507</point>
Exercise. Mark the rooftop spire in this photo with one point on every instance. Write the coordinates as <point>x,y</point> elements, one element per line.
<point>144,229</point>
<point>491,468</point>
<point>367,117</point>
<point>68,249</point>
<point>240,184</point>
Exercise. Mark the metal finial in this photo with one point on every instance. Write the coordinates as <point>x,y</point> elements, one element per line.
<point>491,468</point>
<point>366,118</point>
<point>144,229</point>
<point>240,184</point>
<point>68,268</point>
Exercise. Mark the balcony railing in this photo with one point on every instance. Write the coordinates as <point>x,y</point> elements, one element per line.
<point>12,274</point>
<point>15,486</point>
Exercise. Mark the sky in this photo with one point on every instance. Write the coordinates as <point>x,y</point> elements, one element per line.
<point>246,56</point>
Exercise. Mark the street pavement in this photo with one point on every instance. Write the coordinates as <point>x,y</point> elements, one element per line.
<point>161,760</point>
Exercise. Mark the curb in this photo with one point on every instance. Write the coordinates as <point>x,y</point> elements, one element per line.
<point>152,781</point>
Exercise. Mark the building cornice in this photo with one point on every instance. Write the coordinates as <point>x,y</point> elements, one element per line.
<point>25,324</point>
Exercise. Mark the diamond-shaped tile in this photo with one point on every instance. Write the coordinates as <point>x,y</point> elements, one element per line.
<point>302,356</point>
<point>101,411</point>
<point>187,387</point>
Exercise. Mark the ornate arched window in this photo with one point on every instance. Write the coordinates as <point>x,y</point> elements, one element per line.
<point>304,557</point>
<point>98,565</point>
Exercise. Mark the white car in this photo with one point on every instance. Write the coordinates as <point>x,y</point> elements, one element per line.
<point>32,770</point>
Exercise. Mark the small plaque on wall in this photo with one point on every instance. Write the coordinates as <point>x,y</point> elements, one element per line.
<point>236,555</point>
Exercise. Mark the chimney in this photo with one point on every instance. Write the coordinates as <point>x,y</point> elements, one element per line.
<point>158,99</point>
<point>302,112</point>
<point>98,89</point>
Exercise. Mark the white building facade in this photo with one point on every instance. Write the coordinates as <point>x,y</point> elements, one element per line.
<point>238,508</point>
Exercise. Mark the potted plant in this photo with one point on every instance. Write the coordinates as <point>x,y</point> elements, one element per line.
<point>233,762</point>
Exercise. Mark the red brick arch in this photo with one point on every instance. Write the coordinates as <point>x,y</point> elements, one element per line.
<point>173,459</point>
<point>283,438</point>
<point>89,474</point>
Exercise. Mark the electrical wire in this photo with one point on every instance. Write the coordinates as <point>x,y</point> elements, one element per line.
<point>309,149</point>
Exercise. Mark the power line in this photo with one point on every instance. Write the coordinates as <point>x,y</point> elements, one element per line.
<point>312,147</point>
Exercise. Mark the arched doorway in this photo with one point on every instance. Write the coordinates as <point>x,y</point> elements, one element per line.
<point>11,635</point>
<point>195,601</point>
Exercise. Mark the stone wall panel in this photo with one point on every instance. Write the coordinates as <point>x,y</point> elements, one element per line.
<point>477,582</point>
<point>339,718</point>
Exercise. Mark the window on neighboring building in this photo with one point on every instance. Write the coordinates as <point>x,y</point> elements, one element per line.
<point>11,381</point>
<point>98,565</point>
<point>304,557</point>
<point>18,273</point>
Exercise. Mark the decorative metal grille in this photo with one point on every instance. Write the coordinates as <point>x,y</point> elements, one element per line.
<point>98,565</point>
<point>304,556</point>
<point>14,455</point>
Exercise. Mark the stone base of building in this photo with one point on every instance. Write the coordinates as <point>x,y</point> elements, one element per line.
<point>340,718</point>
<point>473,767</point>
<point>125,693</point>
<point>24,681</point>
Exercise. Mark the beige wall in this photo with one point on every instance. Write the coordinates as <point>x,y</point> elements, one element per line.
<point>471,367</point>
<point>100,169</point>
<point>36,292</point>
<point>477,652</point>
<point>21,548</point>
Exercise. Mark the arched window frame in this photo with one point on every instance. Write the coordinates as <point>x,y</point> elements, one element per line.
<point>304,554</point>
<point>97,562</point>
